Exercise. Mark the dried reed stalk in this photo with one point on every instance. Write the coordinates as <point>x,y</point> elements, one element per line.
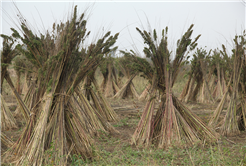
<point>230,124</point>
<point>216,114</point>
<point>145,93</point>
<point>7,55</point>
<point>7,119</point>
<point>6,140</point>
<point>128,90</point>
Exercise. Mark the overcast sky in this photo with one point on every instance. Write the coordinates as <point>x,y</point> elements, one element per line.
<point>218,22</point>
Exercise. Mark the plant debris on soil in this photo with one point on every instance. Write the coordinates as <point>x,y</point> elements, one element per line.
<point>115,149</point>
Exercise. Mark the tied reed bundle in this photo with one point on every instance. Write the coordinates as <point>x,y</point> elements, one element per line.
<point>235,117</point>
<point>173,122</point>
<point>109,85</point>
<point>230,123</point>
<point>9,52</point>
<point>128,90</point>
<point>197,88</point>
<point>58,112</point>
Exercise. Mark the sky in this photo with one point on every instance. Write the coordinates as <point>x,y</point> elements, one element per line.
<point>217,21</point>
